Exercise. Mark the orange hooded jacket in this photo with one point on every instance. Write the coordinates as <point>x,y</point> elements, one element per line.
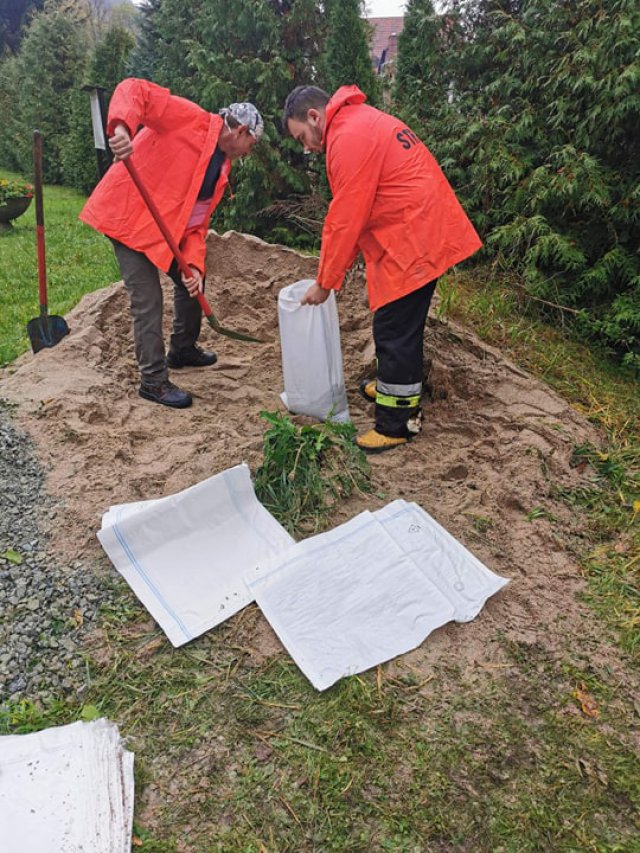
<point>390,200</point>
<point>171,154</point>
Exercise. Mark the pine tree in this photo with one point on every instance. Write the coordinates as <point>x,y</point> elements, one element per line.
<point>346,60</point>
<point>49,66</point>
<point>422,81</point>
<point>540,138</point>
<point>169,32</point>
<point>14,17</point>
<point>11,130</point>
<point>106,67</point>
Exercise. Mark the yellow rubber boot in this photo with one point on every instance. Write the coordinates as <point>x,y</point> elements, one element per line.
<point>375,442</point>
<point>368,390</point>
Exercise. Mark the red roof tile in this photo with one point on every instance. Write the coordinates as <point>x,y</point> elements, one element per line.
<point>383,30</point>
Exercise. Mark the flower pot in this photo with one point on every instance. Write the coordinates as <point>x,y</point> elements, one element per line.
<point>11,209</point>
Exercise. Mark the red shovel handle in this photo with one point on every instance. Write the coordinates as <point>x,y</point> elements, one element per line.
<point>42,265</point>
<point>185,269</point>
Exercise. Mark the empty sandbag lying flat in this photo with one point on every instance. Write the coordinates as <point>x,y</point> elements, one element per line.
<point>185,555</point>
<point>369,590</point>
<point>459,575</point>
<point>346,600</point>
<point>67,789</point>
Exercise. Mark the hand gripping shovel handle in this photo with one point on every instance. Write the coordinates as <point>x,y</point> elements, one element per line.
<point>185,269</point>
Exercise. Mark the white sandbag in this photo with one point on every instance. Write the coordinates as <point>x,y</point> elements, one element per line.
<point>346,600</point>
<point>459,575</point>
<point>368,590</point>
<point>185,555</point>
<point>311,355</point>
<point>66,789</point>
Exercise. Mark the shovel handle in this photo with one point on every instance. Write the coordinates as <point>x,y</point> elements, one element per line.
<point>42,264</point>
<point>185,269</point>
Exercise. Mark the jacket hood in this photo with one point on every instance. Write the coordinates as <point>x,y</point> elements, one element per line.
<point>340,98</point>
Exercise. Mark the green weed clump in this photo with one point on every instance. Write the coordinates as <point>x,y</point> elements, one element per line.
<point>306,470</point>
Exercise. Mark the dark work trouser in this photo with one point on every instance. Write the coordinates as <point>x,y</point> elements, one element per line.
<point>142,281</point>
<point>398,333</point>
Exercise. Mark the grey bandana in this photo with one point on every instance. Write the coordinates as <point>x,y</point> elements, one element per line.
<point>246,114</point>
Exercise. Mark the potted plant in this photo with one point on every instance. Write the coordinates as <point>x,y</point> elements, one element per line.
<point>15,198</point>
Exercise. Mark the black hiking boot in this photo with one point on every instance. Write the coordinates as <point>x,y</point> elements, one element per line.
<point>165,393</point>
<point>194,357</point>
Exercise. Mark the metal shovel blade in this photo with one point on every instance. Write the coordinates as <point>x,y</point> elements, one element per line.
<point>230,333</point>
<point>46,331</point>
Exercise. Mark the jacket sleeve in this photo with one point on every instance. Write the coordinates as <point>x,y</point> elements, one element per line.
<point>354,171</point>
<point>194,246</point>
<point>135,102</point>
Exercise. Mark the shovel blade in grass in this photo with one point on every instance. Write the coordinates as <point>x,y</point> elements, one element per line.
<point>46,331</point>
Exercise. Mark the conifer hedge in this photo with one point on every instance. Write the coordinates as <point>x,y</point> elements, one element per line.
<point>61,49</point>
<point>533,109</point>
<point>255,50</point>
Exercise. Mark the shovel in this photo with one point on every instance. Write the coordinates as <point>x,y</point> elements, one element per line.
<point>180,258</point>
<point>47,329</point>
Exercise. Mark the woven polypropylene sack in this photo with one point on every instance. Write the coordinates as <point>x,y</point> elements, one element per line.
<point>311,355</point>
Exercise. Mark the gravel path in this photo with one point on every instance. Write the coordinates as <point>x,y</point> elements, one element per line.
<point>45,607</point>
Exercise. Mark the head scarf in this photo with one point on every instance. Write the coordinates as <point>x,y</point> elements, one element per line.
<point>246,114</point>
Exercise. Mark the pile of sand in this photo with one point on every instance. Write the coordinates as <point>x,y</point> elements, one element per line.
<point>494,439</point>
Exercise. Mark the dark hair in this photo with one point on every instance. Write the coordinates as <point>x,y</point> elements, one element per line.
<point>299,101</point>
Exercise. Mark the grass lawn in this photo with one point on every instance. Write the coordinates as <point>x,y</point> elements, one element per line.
<point>78,261</point>
<point>542,756</point>
<point>608,396</point>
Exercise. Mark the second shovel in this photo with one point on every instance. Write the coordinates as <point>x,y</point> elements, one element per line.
<point>47,329</point>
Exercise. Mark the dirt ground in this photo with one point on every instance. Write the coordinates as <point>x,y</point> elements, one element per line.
<point>494,441</point>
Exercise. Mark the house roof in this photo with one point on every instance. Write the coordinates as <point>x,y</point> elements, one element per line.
<point>383,29</point>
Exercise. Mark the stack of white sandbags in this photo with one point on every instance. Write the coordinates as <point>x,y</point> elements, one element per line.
<point>68,788</point>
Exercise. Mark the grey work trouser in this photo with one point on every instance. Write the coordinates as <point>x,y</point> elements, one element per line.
<point>142,281</point>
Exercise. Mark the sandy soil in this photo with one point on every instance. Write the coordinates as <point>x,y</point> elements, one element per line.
<point>494,442</point>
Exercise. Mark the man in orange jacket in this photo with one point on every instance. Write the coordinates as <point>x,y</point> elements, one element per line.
<point>183,155</point>
<point>392,202</point>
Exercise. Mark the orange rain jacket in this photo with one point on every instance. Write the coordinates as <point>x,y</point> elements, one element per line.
<point>390,200</point>
<point>171,154</point>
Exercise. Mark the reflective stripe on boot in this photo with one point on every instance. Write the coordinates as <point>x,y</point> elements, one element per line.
<point>397,396</point>
<point>394,396</point>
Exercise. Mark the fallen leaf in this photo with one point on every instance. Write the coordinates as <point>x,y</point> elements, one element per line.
<point>593,771</point>
<point>586,700</point>
<point>89,712</point>
<point>12,556</point>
